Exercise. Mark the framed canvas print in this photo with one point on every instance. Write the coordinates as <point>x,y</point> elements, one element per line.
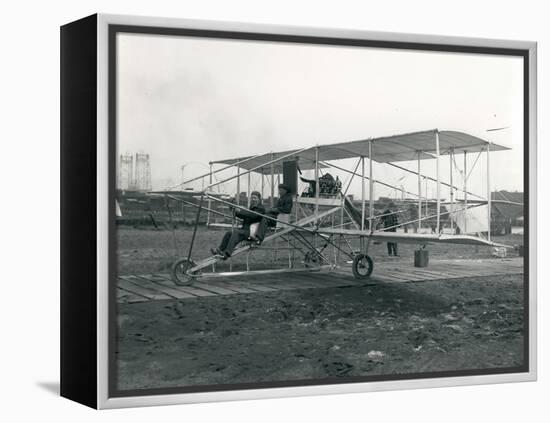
<point>253,211</point>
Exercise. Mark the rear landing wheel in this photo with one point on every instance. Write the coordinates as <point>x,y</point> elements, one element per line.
<point>179,272</point>
<point>362,266</point>
<point>311,259</point>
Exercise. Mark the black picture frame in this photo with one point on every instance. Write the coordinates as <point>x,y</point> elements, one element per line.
<point>88,248</point>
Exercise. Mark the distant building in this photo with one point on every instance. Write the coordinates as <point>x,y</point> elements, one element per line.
<point>125,175</point>
<point>143,172</point>
<point>134,175</point>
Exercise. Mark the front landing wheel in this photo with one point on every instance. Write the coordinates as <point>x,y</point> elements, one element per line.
<point>179,273</point>
<point>362,266</point>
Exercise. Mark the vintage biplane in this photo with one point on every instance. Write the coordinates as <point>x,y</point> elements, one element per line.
<point>327,228</point>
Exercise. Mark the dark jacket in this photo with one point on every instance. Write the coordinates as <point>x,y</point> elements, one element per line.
<point>250,218</point>
<point>390,220</point>
<point>284,204</point>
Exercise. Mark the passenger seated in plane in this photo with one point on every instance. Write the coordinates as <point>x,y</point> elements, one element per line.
<point>283,206</point>
<point>232,238</point>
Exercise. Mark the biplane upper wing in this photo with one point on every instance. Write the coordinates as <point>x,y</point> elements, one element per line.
<point>411,146</point>
<point>184,193</point>
<point>306,161</point>
<point>394,148</point>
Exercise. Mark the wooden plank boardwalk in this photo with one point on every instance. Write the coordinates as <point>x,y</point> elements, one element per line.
<point>154,287</point>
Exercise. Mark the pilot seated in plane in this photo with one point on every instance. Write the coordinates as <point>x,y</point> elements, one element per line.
<point>281,211</point>
<point>232,238</point>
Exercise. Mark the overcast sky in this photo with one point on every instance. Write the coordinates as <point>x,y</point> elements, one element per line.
<point>188,101</point>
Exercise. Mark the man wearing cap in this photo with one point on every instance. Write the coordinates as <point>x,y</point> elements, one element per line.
<point>284,203</point>
<point>232,238</point>
<point>283,206</point>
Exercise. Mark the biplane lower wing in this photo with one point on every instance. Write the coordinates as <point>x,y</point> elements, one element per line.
<point>414,238</point>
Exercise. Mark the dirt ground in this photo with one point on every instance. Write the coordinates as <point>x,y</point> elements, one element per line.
<point>376,329</point>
